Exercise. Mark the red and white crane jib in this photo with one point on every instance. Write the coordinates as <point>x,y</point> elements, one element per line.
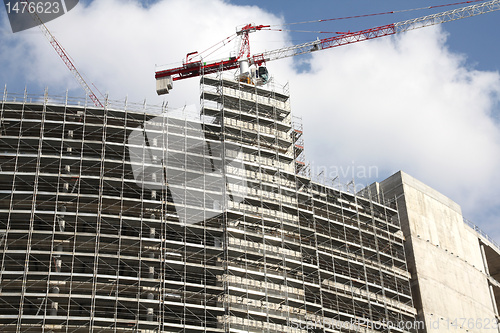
<point>326,43</point>
<point>164,78</point>
<point>63,54</point>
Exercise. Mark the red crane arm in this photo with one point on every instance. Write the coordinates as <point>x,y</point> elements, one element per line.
<point>197,68</point>
<point>386,30</point>
<point>63,54</point>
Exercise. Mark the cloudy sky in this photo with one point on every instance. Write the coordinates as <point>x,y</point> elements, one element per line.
<point>425,102</point>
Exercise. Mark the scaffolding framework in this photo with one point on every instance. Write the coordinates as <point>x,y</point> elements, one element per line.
<point>117,219</point>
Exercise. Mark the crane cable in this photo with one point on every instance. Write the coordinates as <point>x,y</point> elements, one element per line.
<point>218,45</point>
<point>368,15</point>
<point>228,39</point>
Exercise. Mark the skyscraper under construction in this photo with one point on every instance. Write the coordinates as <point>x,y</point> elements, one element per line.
<point>132,219</point>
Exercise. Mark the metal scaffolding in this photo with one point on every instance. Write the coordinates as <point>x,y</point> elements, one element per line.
<point>124,218</point>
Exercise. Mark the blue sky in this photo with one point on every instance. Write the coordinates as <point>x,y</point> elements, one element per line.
<point>426,102</point>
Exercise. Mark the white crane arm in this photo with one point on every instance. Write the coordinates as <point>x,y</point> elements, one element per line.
<point>448,16</point>
<point>390,29</point>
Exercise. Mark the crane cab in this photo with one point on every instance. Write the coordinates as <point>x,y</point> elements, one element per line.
<point>259,76</point>
<point>256,75</point>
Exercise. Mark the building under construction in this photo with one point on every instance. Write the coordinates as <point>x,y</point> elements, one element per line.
<point>128,218</point>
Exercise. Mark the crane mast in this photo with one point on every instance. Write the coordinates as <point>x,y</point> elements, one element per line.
<point>64,55</point>
<point>165,78</point>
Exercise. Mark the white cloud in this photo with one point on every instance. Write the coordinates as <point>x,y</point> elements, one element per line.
<point>406,103</point>
<point>395,103</point>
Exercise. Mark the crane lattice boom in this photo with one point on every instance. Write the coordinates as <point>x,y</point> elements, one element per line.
<point>191,69</point>
<point>448,16</point>
<point>63,54</point>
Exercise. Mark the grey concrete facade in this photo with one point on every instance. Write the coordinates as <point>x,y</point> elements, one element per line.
<point>455,269</point>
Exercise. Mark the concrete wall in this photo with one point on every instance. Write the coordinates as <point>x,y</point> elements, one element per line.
<point>449,281</point>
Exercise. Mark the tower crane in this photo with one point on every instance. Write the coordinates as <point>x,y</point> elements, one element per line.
<point>62,53</point>
<point>259,76</point>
